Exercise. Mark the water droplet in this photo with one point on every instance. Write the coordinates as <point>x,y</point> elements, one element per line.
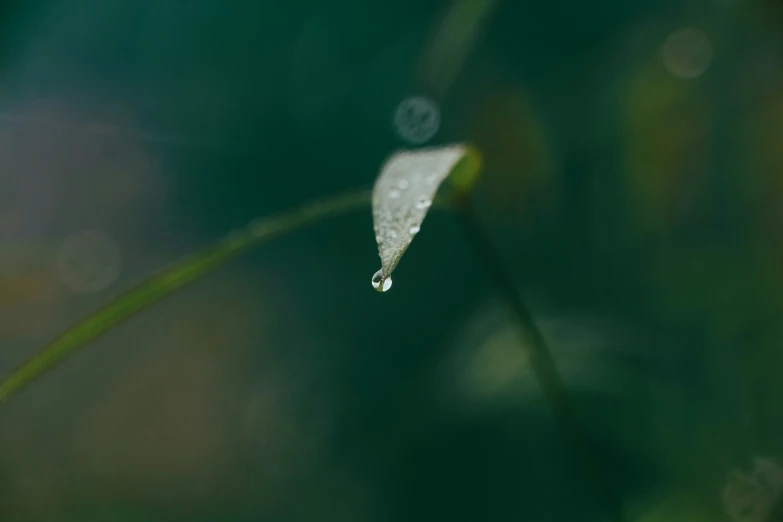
<point>403,184</point>
<point>415,229</point>
<point>423,203</point>
<point>394,194</point>
<point>381,283</point>
<point>392,234</point>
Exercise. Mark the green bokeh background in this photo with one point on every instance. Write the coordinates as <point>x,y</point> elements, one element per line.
<point>638,212</point>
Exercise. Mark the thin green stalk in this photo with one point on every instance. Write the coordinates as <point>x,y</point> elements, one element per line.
<point>541,360</point>
<point>172,279</point>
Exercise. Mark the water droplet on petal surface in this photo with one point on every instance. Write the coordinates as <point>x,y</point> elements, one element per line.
<point>423,203</point>
<point>415,229</point>
<point>394,194</point>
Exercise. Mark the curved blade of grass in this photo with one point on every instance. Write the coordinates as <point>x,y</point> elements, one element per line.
<point>172,279</point>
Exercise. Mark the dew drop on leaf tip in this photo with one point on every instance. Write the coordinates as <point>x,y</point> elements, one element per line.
<point>381,283</point>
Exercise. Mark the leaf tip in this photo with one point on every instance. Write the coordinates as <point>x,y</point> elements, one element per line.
<point>466,172</point>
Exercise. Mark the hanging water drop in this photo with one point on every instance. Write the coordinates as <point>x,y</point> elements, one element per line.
<point>381,283</point>
<point>423,203</point>
<point>394,194</point>
<point>414,229</point>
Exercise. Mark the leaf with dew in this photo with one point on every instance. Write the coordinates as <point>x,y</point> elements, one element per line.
<point>403,194</point>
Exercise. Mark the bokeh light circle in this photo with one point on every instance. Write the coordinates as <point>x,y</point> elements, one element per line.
<point>417,119</point>
<point>687,53</point>
<point>88,261</point>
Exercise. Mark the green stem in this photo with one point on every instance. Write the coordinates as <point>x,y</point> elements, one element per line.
<point>172,279</point>
<point>541,360</point>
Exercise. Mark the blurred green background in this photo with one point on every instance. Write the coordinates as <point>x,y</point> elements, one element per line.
<point>633,155</point>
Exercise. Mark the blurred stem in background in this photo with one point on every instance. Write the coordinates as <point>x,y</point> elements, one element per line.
<point>540,358</point>
<point>451,41</point>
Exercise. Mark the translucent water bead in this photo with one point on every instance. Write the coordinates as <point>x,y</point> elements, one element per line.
<point>381,283</point>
